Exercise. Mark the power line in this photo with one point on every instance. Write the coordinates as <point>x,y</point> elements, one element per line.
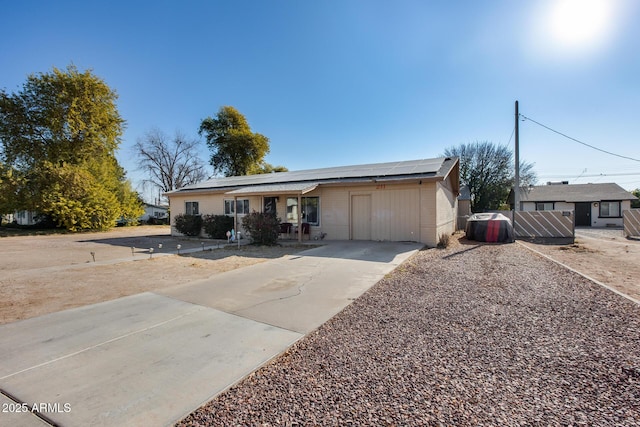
<point>578,141</point>
<point>582,173</point>
<point>591,175</point>
<point>512,132</point>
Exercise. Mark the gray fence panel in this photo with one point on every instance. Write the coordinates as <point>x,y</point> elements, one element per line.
<point>544,224</point>
<point>462,222</point>
<point>631,222</point>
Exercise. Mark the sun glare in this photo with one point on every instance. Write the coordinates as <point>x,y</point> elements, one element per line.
<point>581,23</point>
<point>573,29</point>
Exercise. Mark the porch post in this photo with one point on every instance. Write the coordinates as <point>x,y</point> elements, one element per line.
<point>235,215</point>
<point>299,217</point>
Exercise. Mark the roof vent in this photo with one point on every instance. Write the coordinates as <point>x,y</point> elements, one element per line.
<point>557,182</point>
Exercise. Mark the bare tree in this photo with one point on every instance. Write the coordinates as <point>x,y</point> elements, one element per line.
<point>169,163</point>
<point>488,170</point>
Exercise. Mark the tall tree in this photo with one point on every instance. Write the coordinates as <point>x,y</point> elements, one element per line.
<point>58,137</point>
<point>170,163</point>
<point>11,181</point>
<point>236,150</point>
<point>487,169</point>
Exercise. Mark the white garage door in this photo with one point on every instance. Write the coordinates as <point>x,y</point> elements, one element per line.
<point>386,215</point>
<point>361,217</point>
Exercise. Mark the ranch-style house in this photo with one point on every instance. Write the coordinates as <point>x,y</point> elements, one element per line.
<point>413,200</point>
<point>595,205</point>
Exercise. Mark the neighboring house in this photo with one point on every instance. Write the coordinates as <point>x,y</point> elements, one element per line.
<point>595,205</point>
<point>154,211</point>
<point>25,217</point>
<point>399,201</point>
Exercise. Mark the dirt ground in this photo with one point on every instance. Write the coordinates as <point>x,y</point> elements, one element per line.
<point>603,254</point>
<point>45,274</point>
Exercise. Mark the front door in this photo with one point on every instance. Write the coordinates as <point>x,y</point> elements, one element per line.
<point>583,214</point>
<point>269,205</point>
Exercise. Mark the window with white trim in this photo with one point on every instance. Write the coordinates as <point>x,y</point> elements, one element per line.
<point>544,206</point>
<point>610,210</point>
<point>242,207</point>
<point>310,210</point>
<point>192,208</point>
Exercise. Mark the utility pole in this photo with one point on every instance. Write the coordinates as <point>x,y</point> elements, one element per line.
<point>516,187</point>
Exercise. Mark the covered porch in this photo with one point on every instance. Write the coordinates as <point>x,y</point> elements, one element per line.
<point>293,225</point>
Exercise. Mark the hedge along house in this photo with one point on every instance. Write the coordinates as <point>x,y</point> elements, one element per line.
<point>595,205</point>
<point>399,201</point>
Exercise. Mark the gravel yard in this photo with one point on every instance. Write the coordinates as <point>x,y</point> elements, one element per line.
<point>474,335</point>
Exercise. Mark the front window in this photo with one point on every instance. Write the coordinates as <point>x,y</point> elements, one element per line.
<point>192,208</point>
<point>242,207</point>
<point>544,206</point>
<point>610,209</point>
<point>310,210</point>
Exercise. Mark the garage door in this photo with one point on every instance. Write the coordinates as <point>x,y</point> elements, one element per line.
<point>361,217</point>
<point>396,215</point>
<point>386,215</point>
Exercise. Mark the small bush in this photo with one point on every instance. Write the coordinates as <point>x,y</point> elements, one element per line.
<point>189,225</point>
<point>263,228</point>
<point>157,221</point>
<point>216,226</point>
<point>444,240</point>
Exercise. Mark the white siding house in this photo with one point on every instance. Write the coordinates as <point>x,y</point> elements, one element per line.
<point>154,211</point>
<point>595,205</point>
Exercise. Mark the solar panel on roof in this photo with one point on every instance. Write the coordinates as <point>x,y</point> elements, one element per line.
<point>409,167</point>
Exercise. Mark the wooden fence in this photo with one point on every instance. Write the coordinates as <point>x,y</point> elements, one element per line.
<point>556,226</point>
<point>631,222</point>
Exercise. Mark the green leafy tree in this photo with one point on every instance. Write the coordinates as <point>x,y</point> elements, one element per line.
<point>636,203</point>
<point>76,199</point>
<point>236,150</point>
<point>487,169</point>
<point>58,137</point>
<point>11,182</point>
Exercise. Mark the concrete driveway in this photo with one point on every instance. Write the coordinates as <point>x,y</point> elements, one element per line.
<point>152,358</point>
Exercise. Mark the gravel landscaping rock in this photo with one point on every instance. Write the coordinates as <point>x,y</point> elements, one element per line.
<point>474,335</point>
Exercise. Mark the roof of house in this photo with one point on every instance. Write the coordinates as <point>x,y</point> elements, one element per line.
<point>296,181</point>
<point>151,205</point>
<point>575,193</point>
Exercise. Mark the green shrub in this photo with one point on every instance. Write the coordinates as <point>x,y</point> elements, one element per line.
<point>189,225</point>
<point>216,226</point>
<point>263,228</point>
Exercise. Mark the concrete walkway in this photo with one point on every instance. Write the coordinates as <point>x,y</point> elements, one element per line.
<point>152,358</point>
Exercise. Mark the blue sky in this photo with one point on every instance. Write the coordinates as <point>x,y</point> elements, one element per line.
<point>347,82</point>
